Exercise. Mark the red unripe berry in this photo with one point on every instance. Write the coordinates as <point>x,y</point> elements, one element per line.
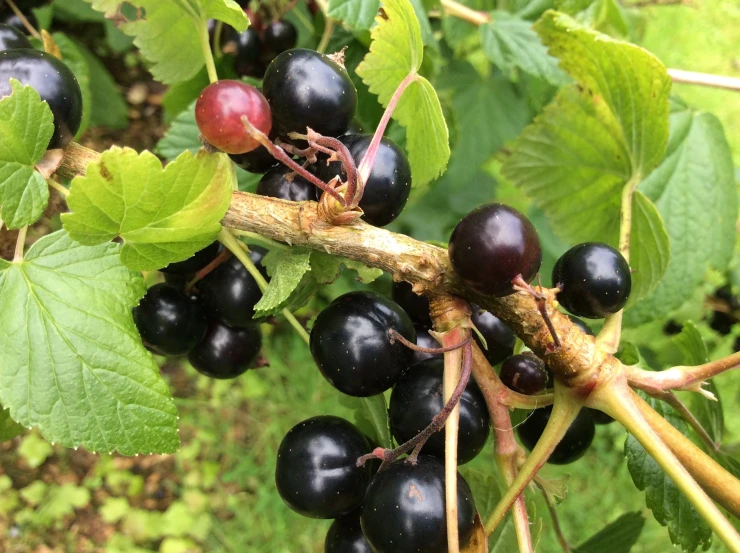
<point>219,111</point>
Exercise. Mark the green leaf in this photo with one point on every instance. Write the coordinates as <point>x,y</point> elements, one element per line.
<point>9,429</point>
<point>75,366</point>
<point>618,537</point>
<point>395,54</point>
<point>26,126</point>
<point>485,487</point>
<point>169,34</point>
<point>669,506</point>
<point>355,14</point>
<point>286,269</point>
<point>511,42</point>
<point>75,60</point>
<point>162,215</point>
<point>182,135</point>
<point>708,412</point>
<point>371,417</point>
<point>599,134</point>
<point>694,191</point>
<point>35,450</point>
<point>107,108</point>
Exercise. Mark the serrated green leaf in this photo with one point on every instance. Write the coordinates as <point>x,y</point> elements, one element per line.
<point>325,268</point>
<point>599,134</point>
<point>694,191</point>
<point>286,269</point>
<point>75,60</point>
<point>669,506</point>
<point>26,126</point>
<point>365,274</point>
<point>169,34</point>
<point>162,215</point>
<point>9,429</point>
<point>182,135</point>
<point>74,364</point>
<point>485,487</point>
<point>396,53</point>
<point>511,42</point>
<point>617,537</point>
<point>107,108</point>
<point>355,14</point>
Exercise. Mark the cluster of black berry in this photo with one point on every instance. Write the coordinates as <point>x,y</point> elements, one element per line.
<point>494,250</point>
<point>49,76</point>
<point>302,90</point>
<point>211,320</point>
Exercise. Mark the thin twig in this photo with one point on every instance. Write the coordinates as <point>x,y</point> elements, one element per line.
<point>64,191</point>
<point>704,79</point>
<point>671,399</point>
<point>397,337</point>
<point>20,243</point>
<point>681,377</point>
<point>326,36</point>
<point>27,24</point>
<point>555,520</point>
<point>465,13</point>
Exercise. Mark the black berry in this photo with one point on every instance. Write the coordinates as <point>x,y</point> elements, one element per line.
<point>230,293</point>
<point>574,444</point>
<point>491,246</point>
<point>600,417</point>
<point>54,82</point>
<point>500,339</point>
<point>425,340</point>
<point>416,306</point>
<point>388,185</point>
<point>169,322</point>
<point>351,345</point>
<point>524,373</point>
<point>419,395</point>
<point>256,161</point>
<point>307,89</point>
<point>12,39</point>
<point>404,508</point>
<point>247,48</point>
<point>195,263</point>
<point>594,280</point>
<point>281,182</point>
<point>345,536</point>
<point>280,36</point>
<point>317,473</point>
<point>226,352</point>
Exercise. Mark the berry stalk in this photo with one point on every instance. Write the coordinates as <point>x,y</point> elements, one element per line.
<point>205,45</point>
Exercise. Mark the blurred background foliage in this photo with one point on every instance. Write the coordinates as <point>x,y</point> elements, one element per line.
<point>216,494</point>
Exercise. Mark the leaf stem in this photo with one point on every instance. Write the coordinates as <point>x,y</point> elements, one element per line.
<point>452,374</point>
<point>465,13</point>
<point>680,377</point>
<point>20,243</point>
<point>564,411</point>
<point>326,36</point>
<point>672,399</point>
<point>205,45</point>
<point>260,240</point>
<point>236,247</point>
<point>615,400</point>
<point>63,190</point>
<point>611,333</point>
<point>368,159</point>
<point>216,48</point>
<point>555,520</point>
<point>704,79</point>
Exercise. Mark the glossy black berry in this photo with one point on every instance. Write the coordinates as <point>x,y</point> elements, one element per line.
<point>355,128</point>
<point>574,444</point>
<point>280,36</point>
<point>54,82</point>
<point>281,182</point>
<point>500,339</point>
<point>256,161</point>
<point>226,352</point>
<point>345,536</point>
<point>722,322</point>
<point>351,345</point>
<point>9,18</point>
<point>600,417</point>
<point>12,39</point>
<point>580,324</point>
<point>317,473</point>
<point>388,185</point>
<point>247,48</point>
<point>594,280</point>
<point>256,253</point>
<point>195,263</point>
<point>425,340</point>
<point>524,373</point>
<point>169,322</point>
<point>491,246</point>
<point>308,89</point>
<point>419,395</point>
<point>230,293</point>
<point>404,508</point>
<point>416,306</point>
